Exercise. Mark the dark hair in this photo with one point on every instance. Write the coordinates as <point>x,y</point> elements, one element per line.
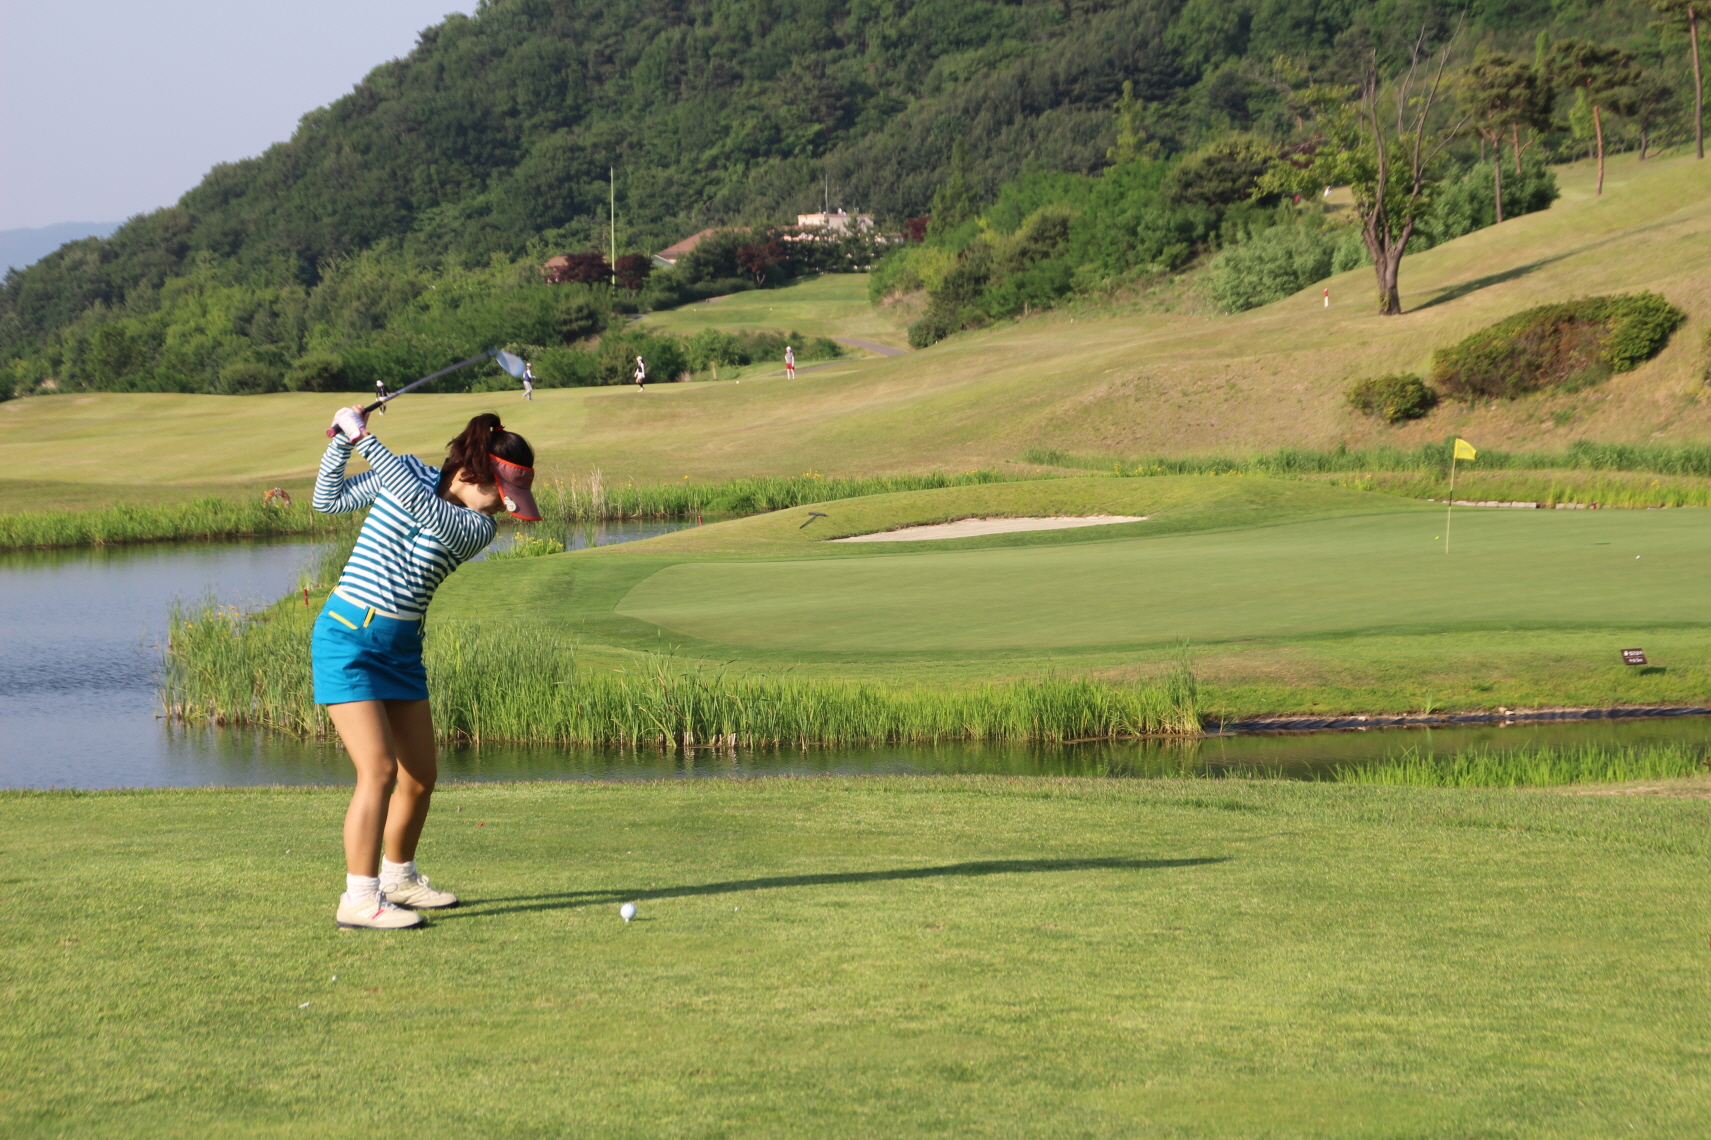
<point>484,436</point>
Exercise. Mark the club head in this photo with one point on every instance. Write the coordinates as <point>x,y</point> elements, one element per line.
<point>510,363</point>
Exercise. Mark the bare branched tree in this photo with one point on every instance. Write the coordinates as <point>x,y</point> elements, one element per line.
<point>1384,139</point>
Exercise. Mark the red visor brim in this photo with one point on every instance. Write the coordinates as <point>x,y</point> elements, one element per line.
<point>515,482</point>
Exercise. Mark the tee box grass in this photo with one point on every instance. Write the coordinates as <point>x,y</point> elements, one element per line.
<point>1292,596</point>
<point>865,958</point>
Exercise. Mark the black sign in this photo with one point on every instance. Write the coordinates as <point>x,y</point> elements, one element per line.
<point>1633,656</point>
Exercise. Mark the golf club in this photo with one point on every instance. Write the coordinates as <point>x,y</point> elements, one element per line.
<point>509,362</point>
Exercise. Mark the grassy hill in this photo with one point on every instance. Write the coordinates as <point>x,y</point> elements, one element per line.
<point>1096,379</point>
<point>834,305</point>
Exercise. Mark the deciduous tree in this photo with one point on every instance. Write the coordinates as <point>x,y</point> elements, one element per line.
<point>1384,138</point>
<point>580,268</point>
<point>632,270</point>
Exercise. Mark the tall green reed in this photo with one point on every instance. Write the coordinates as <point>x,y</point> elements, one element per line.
<point>1611,475</point>
<point>202,519</point>
<point>1657,459</point>
<point>1527,767</point>
<point>518,683</point>
<point>592,498</point>
<point>589,499</point>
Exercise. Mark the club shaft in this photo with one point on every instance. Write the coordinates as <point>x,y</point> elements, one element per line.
<point>418,383</point>
<point>367,408</point>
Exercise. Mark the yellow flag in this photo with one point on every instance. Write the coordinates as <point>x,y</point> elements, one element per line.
<point>1464,449</point>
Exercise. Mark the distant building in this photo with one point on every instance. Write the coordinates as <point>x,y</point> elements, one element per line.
<point>672,254</point>
<point>835,222</point>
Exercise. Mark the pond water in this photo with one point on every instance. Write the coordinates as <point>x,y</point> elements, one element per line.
<point>80,634</point>
<point>581,536</point>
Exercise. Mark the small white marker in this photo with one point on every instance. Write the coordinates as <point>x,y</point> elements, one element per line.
<point>627,911</point>
<point>305,1005</point>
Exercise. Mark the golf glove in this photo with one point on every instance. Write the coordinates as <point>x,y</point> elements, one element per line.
<point>350,421</point>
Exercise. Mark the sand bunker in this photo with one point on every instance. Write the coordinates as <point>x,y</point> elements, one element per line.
<point>968,528</point>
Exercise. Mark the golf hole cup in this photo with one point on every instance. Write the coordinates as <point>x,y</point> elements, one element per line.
<point>627,911</point>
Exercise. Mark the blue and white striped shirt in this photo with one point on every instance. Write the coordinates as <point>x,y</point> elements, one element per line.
<point>411,539</point>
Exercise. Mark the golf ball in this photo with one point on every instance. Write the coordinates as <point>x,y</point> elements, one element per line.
<point>628,911</point>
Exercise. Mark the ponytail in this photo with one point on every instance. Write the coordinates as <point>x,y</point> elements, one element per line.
<point>470,453</point>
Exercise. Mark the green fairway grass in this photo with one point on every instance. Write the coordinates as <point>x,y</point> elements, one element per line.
<point>1088,379</point>
<point>1294,597</point>
<point>865,958</point>
<point>1317,578</point>
<point>834,305</point>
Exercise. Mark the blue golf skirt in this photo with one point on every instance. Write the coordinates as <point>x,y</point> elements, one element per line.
<point>358,655</point>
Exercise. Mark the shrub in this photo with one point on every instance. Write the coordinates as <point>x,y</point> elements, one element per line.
<point>713,347</point>
<point>1568,346</point>
<point>527,546</point>
<point>1393,398</point>
<point>1469,203</point>
<point>1223,173</point>
<point>248,378</point>
<point>929,330</point>
<point>318,372</point>
<point>1270,266</point>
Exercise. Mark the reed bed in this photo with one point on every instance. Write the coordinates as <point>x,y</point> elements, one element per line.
<point>201,519</point>
<point>589,499</point>
<point>1690,460</point>
<point>1608,475</point>
<point>593,498</point>
<point>1527,767</point>
<point>523,684</point>
<point>1628,490</point>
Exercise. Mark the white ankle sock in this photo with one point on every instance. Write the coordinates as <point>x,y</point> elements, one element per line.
<point>361,886</point>
<point>391,872</point>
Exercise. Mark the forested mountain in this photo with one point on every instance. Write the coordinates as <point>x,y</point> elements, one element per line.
<point>494,138</point>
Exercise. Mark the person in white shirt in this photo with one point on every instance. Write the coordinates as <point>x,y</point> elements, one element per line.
<point>789,362</point>
<point>641,375</point>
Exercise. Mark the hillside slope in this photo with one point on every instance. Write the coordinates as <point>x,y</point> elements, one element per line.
<point>1115,383</point>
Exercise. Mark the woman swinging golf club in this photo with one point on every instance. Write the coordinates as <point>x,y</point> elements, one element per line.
<point>367,645</point>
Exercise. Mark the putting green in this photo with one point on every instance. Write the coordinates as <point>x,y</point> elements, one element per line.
<point>1508,569</point>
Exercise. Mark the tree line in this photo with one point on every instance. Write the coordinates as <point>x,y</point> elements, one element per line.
<point>488,149</point>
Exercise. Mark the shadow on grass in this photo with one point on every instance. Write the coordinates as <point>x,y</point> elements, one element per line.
<point>480,907</point>
<point>1454,292</point>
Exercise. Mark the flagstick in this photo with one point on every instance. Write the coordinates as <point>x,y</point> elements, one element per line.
<point>1450,510</point>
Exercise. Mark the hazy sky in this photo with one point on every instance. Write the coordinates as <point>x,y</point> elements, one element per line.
<point>110,108</point>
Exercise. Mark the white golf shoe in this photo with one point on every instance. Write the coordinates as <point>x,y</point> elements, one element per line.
<point>374,912</point>
<point>417,894</point>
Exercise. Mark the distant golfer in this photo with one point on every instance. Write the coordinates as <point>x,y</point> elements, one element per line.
<point>528,383</point>
<point>789,362</point>
<point>366,650</point>
<point>641,375</point>
<point>380,394</point>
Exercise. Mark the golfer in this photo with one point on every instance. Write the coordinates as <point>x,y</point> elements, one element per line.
<point>789,362</point>
<point>380,394</point>
<point>528,383</point>
<point>641,375</point>
<point>367,646</point>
